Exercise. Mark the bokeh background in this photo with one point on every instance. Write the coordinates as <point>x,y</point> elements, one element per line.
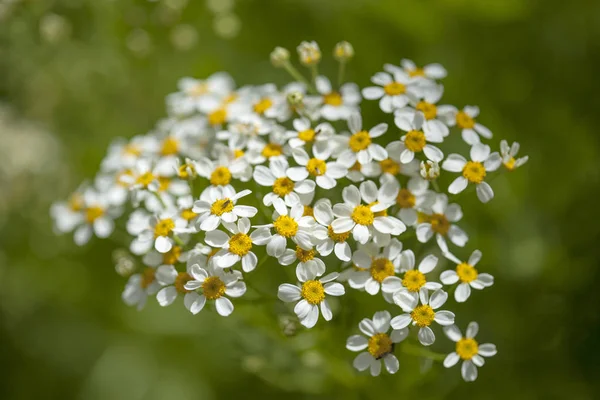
<point>77,73</point>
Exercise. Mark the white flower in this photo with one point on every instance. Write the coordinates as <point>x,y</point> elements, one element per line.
<point>378,343</point>
<point>218,204</point>
<point>213,284</point>
<point>374,266</point>
<point>281,110</point>
<point>221,172</point>
<point>307,260</point>
<point>336,105</point>
<point>238,246</point>
<point>311,294</point>
<point>429,170</point>
<point>361,146</point>
<point>324,173</point>
<point>309,53</point>
<point>468,276</point>
<point>508,155</point>
<point>440,222</point>
<point>304,134</point>
<point>69,214</point>
<point>465,120</point>
<point>415,197</point>
<point>243,129</point>
<point>370,219</point>
<point>139,287</point>
<point>468,350</point>
<point>336,242</point>
<point>422,315</point>
<point>430,71</point>
<point>196,94</point>
<point>393,90</point>
<point>98,218</point>
<point>159,231</point>
<point>414,280</point>
<point>427,105</point>
<point>473,171</point>
<point>415,140</point>
<point>282,186</point>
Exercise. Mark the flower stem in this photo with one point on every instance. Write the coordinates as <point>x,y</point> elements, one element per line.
<point>298,76</point>
<point>409,348</point>
<point>341,72</point>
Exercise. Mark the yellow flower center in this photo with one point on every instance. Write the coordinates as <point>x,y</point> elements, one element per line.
<point>466,272</point>
<point>169,146</point>
<point>217,117</point>
<point>467,348</point>
<point>212,253</point>
<point>423,315</point>
<point>283,186</point>
<point>272,150</point>
<point>381,268</point>
<point>163,183</point>
<point>188,214</point>
<point>199,89</point>
<point>464,121</point>
<point>333,99</point>
<point>416,72</point>
<point>186,171</point>
<point>415,141</point>
<point>439,223</point>
<point>240,244</point>
<point>145,179</point>
<point>263,105</point>
<point>220,176</point>
<point>316,167</point>
<point>308,211</point>
<point>380,345</point>
<point>221,207</point>
<point>163,227</point>
<point>76,202</point>
<point>132,150</point>
<point>474,171</point>
<point>180,281</point>
<point>355,167</point>
<point>338,237</point>
<point>359,141</point>
<point>304,255</point>
<point>413,280</point>
<point>394,89</point>
<point>382,213</point>
<point>313,292</point>
<point>213,287</point>
<point>172,256</point>
<point>237,153</point>
<point>429,110</point>
<point>363,215</point>
<point>307,135</point>
<point>390,166</point>
<point>147,277</point>
<point>93,213</point>
<point>406,199</point>
<point>510,164</point>
<point>286,226</point>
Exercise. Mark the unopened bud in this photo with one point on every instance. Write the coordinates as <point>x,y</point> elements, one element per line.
<point>279,56</point>
<point>309,53</point>
<point>343,51</point>
<point>288,324</point>
<point>187,170</point>
<point>295,99</point>
<point>124,263</point>
<point>430,170</point>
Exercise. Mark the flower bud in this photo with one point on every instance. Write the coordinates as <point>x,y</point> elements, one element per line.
<point>430,170</point>
<point>124,263</point>
<point>309,53</point>
<point>343,51</point>
<point>295,99</point>
<point>279,56</point>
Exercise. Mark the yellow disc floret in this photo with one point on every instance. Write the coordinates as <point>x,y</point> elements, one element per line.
<point>283,186</point>
<point>415,141</point>
<point>380,345</point>
<point>240,244</point>
<point>406,199</point>
<point>307,135</point>
<point>221,207</point>
<point>286,226</point>
<point>316,167</point>
<point>381,268</point>
<point>333,99</point>
<point>145,179</point>
<point>164,227</point>
<point>359,141</point>
<point>221,176</point>
<point>413,280</point>
<point>390,166</point>
<point>313,292</point>
<point>394,89</point>
<point>467,348</point>
<point>213,287</point>
<point>180,281</point>
<point>423,315</point>
<point>429,110</point>
<point>188,214</point>
<point>416,72</point>
<point>464,120</point>
<point>466,272</point>
<point>304,255</point>
<point>474,171</point>
<point>93,213</point>
<point>363,215</point>
<point>172,256</point>
<point>169,146</point>
<point>337,237</point>
<point>263,105</point>
<point>439,223</point>
<point>217,117</point>
<point>148,275</point>
<point>272,150</point>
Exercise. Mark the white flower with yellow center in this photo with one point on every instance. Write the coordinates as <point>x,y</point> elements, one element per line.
<point>508,155</point>
<point>337,105</point>
<point>373,266</point>
<point>467,274</point>
<point>335,242</point>
<point>473,171</point>
<point>158,234</point>
<point>324,172</point>
<point>172,282</point>
<point>214,284</point>
<point>392,90</point>
<point>412,199</point>
<point>360,144</point>
<point>222,171</point>
<point>310,294</point>
<point>218,204</point>
<point>123,155</point>
<point>309,53</point>
<point>414,280</point>
<point>139,286</point>
<point>415,141</point>
<point>154,259</point>
<point>468,350</point>
<point>426,104</point>
<point>244,129</point>
<point>432,71</point>
<point>307,259</point>
<point>422,315</point>
<point>196,94</point>
<point>98,217</point>
<point>68,214</point>
<point>237,246</point>
<point>282,186</point>
<point>440,223</point>
<point>364,213</point>
<point>465,120</point>
<point>282,110</point>
<point>378,342</point>
<point>260,150</point>
<point>303,133</point>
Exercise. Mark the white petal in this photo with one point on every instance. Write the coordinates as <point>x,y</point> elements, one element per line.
<point>468,371</point>
<point>453,333</point>
<point>362,361</point>
<point>451,360</point>
<point>391,363</point>
<point>487,349</point>
<point>472,330</point>
<point>463,291</point>
<point>326,311</point>
<point>224,306</point>
<point>444,318</point>
<point>458,185</point>
<point>426,336</point>
<point>166,296</point>
<point>356,343</point>
<point>484,192</point>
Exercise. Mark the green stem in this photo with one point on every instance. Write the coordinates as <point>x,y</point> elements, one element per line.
<point>162,202</point>
<point>315,72</point>
<point>341,72</point>
<point>419,351</point>
<point>178,240</point>
<point>435,185</point>
<point>299,77</point>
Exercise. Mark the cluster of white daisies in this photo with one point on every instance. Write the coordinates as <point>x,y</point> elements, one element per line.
<point>294,175</point>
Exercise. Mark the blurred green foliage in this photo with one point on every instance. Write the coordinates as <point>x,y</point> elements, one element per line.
<point>89,71</point>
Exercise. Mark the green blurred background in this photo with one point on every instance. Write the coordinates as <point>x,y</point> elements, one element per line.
<point>75,74</point>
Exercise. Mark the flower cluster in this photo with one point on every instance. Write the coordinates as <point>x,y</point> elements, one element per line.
<point>292,178</point>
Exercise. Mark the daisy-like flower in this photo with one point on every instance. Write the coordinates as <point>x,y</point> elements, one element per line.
<point>370,219</point>
<point>218,204</point>
<point>212,283</point>
<point>68,214</point>
<point>238,246</point>
<point>422,315</point>
<point>426,104</point>
<point>415,141</point>
<point>473,171</point>
<point>98,218</point>
<point>325,173</point>
<point>337,105</point>
<point>310,295</point>
<point>307,259</point>
<point>304,134</point>
<point>196,94</point>
<point>414,280</point>
<point>361,146</point>
<point>139,287</point>
<point>158,232</point>
<point>378,343</point>
<point>414,198</point>
<point>392,90</point>
<point>243,129</point>
<point>465,120</point>
<point>440,223</point>
<point>374,266</point>
<point>290,224</point>
<point>336,242</point>
<point>282,186</point>
<point>468,350</point>
<point>221,172</point>
<point>430,71</point>
<point>468,276</point>
<point>508,155</point>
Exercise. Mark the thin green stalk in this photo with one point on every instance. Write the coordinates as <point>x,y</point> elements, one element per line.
<point>299,77</point>
<point>341,73</point>
<point>419,351</point>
